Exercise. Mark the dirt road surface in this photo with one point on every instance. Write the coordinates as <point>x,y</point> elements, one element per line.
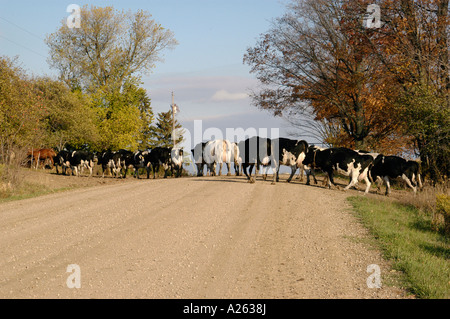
<point>188,238</point>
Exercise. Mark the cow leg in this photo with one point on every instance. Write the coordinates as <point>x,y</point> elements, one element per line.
<point>166,170</point>
<point>199,169</point>
<point>353,181</point>
<point>264,171</point>
<point>276,168</point>
<point>91,169</point>
<point>308,174</point>
<point>244,169</point>
<point>367,181</point>
<point>249,175</point>
<point>419,180</point>
<point>388,185</point>
<point>330,179</point>
<point>294,169</point>
<point>408,182</point>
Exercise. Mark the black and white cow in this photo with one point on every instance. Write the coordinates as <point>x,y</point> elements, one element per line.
<point>289,153</point>
<point>105,159</point>
<point>309,170</point>
<point>197,156</point>
<point>119,162</point>
<point>62,159</point>
<point>176,156</point>
<point>159,156</point>
<point>79,160</point>
<point>255,151</point>
<point>343,160</point>
<point>136,162</point>
<point>391,167</point>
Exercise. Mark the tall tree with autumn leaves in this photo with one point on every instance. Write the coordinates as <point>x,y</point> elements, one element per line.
<point>418,61</point>
<point>316,58</point>
<point>372,85</point>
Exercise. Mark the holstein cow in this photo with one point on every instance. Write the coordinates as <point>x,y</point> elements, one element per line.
<point>255,151</point>
<point>289,153</point>
<point>159,156</point>
<point>105,159</point>
<point>197,156</point>
<point>79,160</point>
<point>309,170</point>
<point>176,155</point>
<point>121,160</point>
<point>218,152</point>
<point>343,160</point>
<point>387,167</point>
<point>62,159</point>
<point>137,162</point>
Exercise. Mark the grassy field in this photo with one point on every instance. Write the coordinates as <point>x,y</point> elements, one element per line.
<point>405,235</point>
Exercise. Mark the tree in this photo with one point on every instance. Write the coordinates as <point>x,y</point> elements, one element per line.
<point>119,119</point>
<point>70,118</point>
<point>317,53</point>
<point>105,58</point>
<point>21,111</point>
<point>162,131</point>
<point>418,60</point>
<point>108,49</point>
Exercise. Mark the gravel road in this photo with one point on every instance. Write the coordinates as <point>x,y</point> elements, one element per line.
<point>188,238</point>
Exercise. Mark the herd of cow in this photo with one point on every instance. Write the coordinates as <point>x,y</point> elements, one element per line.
<point>245,155</point>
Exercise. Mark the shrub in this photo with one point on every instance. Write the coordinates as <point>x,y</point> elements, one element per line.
<point>443,208</point>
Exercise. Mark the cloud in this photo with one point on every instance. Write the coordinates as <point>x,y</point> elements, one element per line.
<point>224,95</point>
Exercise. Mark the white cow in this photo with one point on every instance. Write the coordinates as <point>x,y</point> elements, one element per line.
<point>218,152</point>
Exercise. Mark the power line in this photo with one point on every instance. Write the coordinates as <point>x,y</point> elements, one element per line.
<point>18,44</point>
<point>23,29</point>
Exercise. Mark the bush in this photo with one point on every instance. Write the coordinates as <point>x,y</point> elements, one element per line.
<point>443,208</point>
<point>431,201</point>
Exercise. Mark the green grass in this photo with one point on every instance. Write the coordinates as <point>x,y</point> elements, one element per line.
<point>29,190</point>
<point>406,238</point>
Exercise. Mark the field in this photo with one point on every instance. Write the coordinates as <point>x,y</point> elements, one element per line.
<point>203,237</point>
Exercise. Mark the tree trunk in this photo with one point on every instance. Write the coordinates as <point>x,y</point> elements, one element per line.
<point>442,41</point>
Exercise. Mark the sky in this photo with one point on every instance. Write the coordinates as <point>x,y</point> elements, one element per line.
<point>205,71</point>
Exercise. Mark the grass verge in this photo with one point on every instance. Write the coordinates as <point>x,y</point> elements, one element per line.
<point>29,190</point>
<point>406,238</point>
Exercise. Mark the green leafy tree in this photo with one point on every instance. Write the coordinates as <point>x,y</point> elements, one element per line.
<point>21,111</point>
<point>105,58</point>
<point>70,118</point>
<point>108,49</point>
<point>119,120</point>
<point>162,131</point>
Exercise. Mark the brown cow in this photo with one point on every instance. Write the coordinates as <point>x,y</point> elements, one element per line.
<point>44,155</point>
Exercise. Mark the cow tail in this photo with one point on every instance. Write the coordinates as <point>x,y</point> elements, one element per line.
<point>314,160</point>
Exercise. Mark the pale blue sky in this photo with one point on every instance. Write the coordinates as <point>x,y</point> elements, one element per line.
<point>205,71</point>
